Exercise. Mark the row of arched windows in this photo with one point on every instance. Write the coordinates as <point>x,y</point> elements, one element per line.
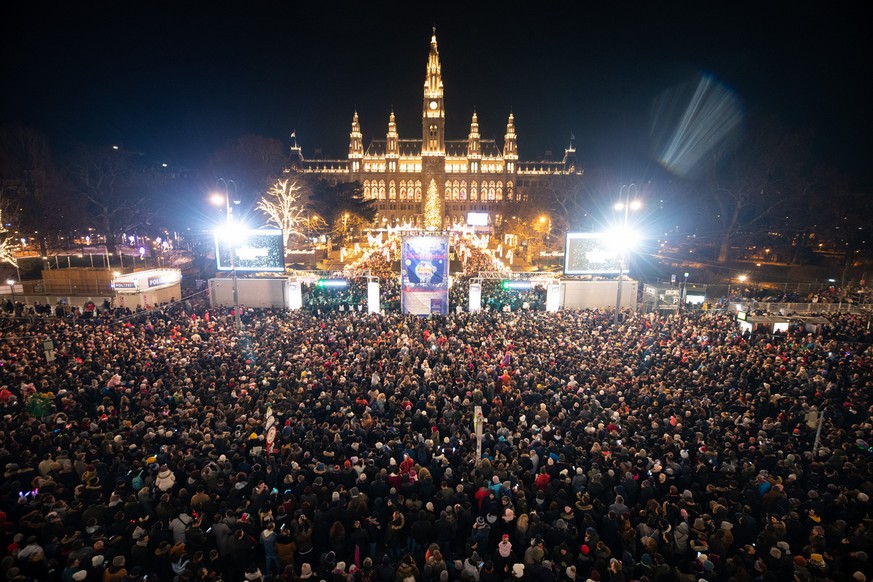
<point>486,191</point>
<point>376,190</point>
<point>410,190</point>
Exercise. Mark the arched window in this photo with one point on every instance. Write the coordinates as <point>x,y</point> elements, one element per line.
<point>366,189</point>
<point>448,190</point>
<point>392,191</point>
<point>456,190</point>
<point>402,189</point>
<point>509,191</point>
<point>491,191</point>
<point>499,190</point>
<point>434,140</point>
<point>463,190</point>
<point>381,189</point>
<point>474,191</point>
<point>418,190</point>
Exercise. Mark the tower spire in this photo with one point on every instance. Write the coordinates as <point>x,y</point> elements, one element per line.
<point>433,116</point>
<point>473,140</point>
<point>356,144</point>
<point>510,140</point>
<point>391,137</point>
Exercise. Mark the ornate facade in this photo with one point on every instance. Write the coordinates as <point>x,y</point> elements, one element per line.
<point>433,182</point>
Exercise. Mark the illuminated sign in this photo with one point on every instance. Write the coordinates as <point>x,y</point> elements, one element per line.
<point>161,280</point>
<point>124,285</point>
<point>332,283</point>
<point>517,285</point>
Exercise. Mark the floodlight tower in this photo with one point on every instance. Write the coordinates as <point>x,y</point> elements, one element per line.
<point>224,193</point>
<point>624,204</point>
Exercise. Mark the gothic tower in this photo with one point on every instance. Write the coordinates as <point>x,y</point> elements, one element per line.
<point>433,139</point>
<point>356,146</point>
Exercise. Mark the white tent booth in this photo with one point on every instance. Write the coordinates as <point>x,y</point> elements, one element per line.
<point>147,288</point>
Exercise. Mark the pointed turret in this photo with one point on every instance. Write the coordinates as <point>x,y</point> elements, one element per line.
<point>356,145</point>
<point>356,139</point>
<point>474,149</point>
<point>510,141</point>
<point>570,154</point>
<point>391,138</point>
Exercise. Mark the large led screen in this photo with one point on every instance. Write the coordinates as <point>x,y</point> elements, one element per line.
<point>425,275</point>
<point>253,250</point>
<point>589,253</point>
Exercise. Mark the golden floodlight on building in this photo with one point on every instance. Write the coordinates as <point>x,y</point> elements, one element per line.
<point>430,182</point>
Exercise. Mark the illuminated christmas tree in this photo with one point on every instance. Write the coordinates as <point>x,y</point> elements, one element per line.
<point>433,218</point>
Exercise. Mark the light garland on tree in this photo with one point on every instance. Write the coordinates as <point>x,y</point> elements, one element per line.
<point>7,253</point>
<point>433,219</point>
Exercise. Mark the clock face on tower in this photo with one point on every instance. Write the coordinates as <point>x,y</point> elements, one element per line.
<point>433,105</point>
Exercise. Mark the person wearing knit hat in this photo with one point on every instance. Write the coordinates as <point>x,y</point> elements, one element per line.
<point>776,553</point>
<point>518,571</point>
<point>504,547</point>
<point>799,562</point>
<point>816,560</point>
<point>305,571</point>
<point>570,572</point>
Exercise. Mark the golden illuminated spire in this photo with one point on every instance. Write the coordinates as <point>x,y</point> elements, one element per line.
<point>510,141</point>
<point>391,141</point>
<point>356,139</point>
<point>433,83</point>
<point>473,147</point>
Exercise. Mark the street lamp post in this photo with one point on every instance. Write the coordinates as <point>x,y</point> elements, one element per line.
<point>624,204</point>
<point>11,284</point>
<point>225,193</point>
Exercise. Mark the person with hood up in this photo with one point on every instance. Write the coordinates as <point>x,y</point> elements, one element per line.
<point>166,479</point>
<point>470,570</point>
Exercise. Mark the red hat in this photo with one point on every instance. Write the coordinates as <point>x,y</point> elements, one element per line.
<point>506,536</point>
<point>585,549</point>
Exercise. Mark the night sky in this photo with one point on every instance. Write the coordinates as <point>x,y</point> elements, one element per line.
<point>176,82</point>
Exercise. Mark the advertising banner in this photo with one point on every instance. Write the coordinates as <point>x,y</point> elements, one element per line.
<point>425,275</point>
<point>475,297</point>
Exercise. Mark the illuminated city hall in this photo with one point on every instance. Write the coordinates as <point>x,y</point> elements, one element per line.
<point>431,182</point>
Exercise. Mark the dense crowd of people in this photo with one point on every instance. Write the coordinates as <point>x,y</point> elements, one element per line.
<point>669,449</point>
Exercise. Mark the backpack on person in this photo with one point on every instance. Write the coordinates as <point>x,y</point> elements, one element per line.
<point>137,483</point>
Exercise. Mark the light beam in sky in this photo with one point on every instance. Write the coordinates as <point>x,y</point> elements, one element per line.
<point>690,120</point>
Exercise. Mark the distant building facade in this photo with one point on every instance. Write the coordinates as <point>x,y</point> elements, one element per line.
<point>431,182</point>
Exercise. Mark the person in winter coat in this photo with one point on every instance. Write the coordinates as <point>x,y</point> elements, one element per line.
<point>285,548</point>
<point>165,480</point>
<point>116,572</point>
<point>394,536</point>
<point>505,557</point>
<point>268,540</point>
<point>470,570</point>
<point>179,526</point>
<point>434,566</point>
<point>407,570</point>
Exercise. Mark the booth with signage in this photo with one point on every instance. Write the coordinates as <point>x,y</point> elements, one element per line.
<point>147,288</point>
